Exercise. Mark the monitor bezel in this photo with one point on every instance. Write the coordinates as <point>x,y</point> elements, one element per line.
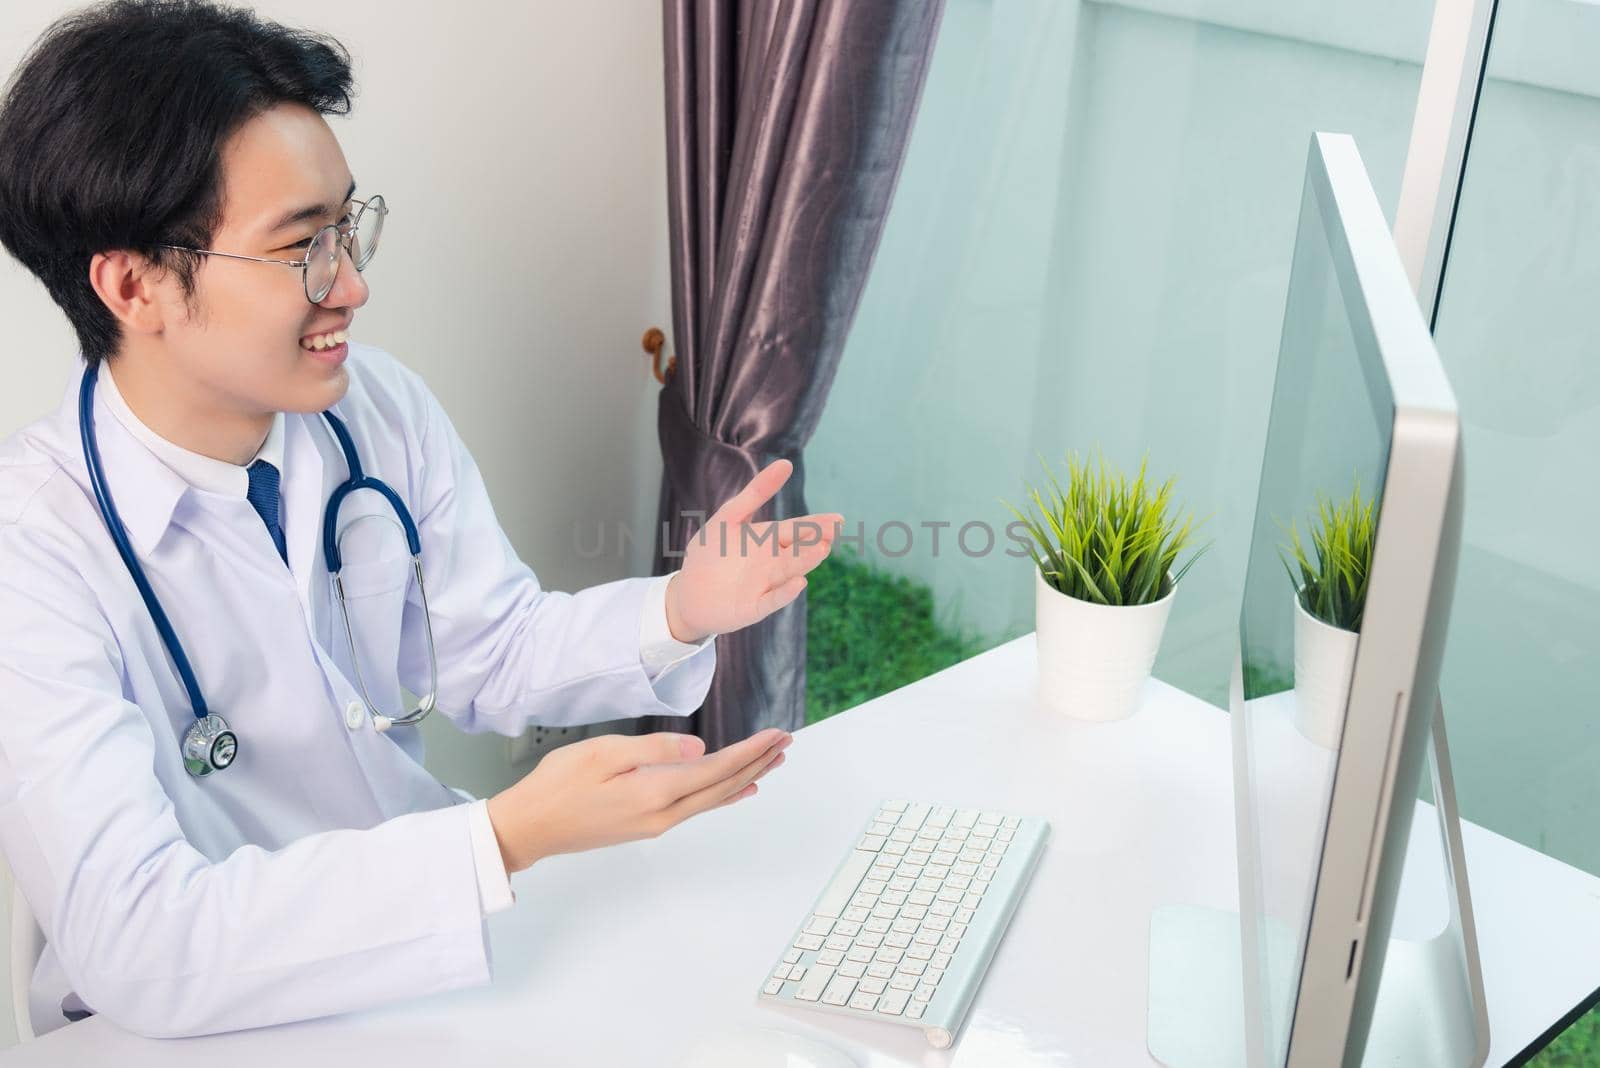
<point>1395,677</point>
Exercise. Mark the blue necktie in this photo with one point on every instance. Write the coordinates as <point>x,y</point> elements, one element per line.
<point>263,497</point>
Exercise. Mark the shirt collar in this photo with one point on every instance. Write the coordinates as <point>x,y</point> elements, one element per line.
<point>201,472</point>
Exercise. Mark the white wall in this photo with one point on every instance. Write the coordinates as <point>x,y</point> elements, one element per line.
<point>521,148</point>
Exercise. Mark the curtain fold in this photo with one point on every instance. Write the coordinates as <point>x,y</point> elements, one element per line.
<point>787,122</point>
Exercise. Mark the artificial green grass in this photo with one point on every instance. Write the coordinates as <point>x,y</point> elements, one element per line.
<point>1576,1047</point>
<point>869,632</point>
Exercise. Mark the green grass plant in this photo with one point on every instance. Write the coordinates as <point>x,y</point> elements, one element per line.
<point>1107,538</point>
<point>869,632</point>
<point>1331,579</point>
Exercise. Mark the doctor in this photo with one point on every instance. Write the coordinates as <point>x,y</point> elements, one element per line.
<point>211,793</point>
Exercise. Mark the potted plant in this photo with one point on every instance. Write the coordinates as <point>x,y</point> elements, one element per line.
<point>1330,595</point>
<point>1105,549</point>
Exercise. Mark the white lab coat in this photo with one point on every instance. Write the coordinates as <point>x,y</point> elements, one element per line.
<point>326,870</point>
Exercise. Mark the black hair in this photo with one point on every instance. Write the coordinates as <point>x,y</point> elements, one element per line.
<point>112,130</point>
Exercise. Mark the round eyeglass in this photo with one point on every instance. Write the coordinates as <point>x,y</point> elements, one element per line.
<point>358,234</point>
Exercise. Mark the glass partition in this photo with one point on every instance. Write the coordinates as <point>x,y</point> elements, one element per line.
<point>1516,327</point>
<point>1089,247</point>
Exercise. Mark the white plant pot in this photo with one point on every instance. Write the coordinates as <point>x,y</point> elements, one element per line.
<point>1324,657</point>
<point>1094,659</point>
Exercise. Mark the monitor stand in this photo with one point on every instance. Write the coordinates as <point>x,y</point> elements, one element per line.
<point>1430,1007</point>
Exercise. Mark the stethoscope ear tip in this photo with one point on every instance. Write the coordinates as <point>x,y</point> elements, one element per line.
<point>382,723</point>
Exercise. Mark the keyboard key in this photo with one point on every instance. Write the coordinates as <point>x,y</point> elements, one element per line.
<point>998,849</point>
<point>913,816</point>
<point>881,828</point>
<point>904,925</point>
<point>937,871</point>
<point>928,884</point>
<point>830,957</point>
<point>854,969</point>
<point>1010,823</point>
<point>873,986</point>
<point>844,883</point>
<point>861,954</point>
<point>856,915</point>
<point>913,912</point>
<point>846,928</point>
<point>893,1002</point>
<point>888,955</point>
<point>895,848</point>
<point>898,939</point>
<point>965,817</point>
<point>820,925</point>
<point>869,886</point>
<point>792,957</point>
<point>923,992</point>
<point>864,1002</point>
<point>918,952</point>
<point>933,974</point>
<point>903,834</point>
<point>940,816</point>
<point>959,882</point>
<point>876,924</point>
<point>815,981</point>
<point>905,886</point>
<point>927,938</point>
<point>797,972</point>
<point>869,939</point>
<point>958,929</point>
<point>811,942</point>
<point>948,945</point>
<point>940,961</point>
<point>886,912</point>
<point>915,1009</point>
<point>913,966</point>
<point>1006,836</point>
<point>903,982</point>
<point>943,908</point>
<point>839,942</point>
<point>937,923</point>
<point>989,819</point>
<point>972,899</point>
<point>964,915</point>
<point>896,805</point>
<point>880,970</point>
<point>839,990</point>
<point>774,986</point>
<point>863,901</point>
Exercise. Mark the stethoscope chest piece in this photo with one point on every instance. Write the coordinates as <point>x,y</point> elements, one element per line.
<point>209,745</point>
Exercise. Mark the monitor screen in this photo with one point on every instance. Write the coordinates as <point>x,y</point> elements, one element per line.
<point>1326,453</point>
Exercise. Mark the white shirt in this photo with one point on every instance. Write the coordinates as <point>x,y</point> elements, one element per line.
<point>326,854</point>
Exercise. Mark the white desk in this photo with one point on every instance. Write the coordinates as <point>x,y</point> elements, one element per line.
<point>627,956</point>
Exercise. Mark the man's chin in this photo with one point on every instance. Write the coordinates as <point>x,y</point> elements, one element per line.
<point>319,394</point>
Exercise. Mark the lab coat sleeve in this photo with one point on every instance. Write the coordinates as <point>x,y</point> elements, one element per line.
<point>153,934</point>
<point>511,652</point>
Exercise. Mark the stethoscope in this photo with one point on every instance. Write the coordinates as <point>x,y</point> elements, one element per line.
<point>209,744</point>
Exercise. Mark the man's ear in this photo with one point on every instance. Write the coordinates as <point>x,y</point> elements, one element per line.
<point>129,285</point>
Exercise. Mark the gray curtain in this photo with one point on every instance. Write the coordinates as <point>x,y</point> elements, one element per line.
<point>787,122</point>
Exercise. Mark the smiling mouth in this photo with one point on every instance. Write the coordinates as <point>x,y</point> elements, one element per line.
<point>321,342</point>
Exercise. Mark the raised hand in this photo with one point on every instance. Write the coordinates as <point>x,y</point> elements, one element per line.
<point>736,572</point>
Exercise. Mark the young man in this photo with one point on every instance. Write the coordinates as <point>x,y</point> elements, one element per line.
<point>203,794</point>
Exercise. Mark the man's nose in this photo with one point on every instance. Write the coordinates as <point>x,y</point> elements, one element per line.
<point>350,289</point>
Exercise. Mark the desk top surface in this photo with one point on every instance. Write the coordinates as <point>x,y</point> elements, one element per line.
<point>633,954</point>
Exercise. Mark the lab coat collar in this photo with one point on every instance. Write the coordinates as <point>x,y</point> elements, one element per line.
<point>145,491</point>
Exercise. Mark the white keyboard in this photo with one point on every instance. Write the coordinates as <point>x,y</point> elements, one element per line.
<point>905,929</point>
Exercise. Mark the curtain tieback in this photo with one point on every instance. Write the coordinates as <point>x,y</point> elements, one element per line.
<point>702,471</point>
<point>654,342</point>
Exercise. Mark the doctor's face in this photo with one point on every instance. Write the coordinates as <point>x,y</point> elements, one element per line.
<point>245,343</point>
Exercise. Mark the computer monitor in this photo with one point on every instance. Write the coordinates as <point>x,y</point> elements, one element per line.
<point>1331,724</point>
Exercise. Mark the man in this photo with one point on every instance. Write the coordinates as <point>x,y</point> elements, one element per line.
<point>166,172</point>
